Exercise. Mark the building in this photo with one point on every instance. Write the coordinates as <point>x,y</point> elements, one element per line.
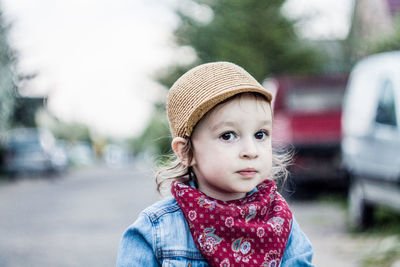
<point>372,20</point>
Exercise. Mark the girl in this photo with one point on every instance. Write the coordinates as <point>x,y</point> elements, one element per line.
<point>225,209</point>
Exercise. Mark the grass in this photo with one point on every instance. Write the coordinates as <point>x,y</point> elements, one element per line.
<point>385,230</point>
<point>338,199</point>
<point>386,222</point>
<point>387,251</point>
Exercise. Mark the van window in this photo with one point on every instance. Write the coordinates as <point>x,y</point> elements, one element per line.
<point>386,113</point>
<point>315,99</point>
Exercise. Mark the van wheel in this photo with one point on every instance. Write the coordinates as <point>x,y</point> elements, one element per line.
<point>360,212</point>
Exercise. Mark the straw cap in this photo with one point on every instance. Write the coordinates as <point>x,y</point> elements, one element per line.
<point>202,88</point>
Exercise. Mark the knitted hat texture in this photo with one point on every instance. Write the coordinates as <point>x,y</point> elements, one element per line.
<point>200,89</point>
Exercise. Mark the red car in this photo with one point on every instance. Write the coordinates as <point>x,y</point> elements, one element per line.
<point>308,118</point>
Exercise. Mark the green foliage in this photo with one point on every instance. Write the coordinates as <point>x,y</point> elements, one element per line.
<point>386,230</point>
<point>388,44</point>
<point>253,34</point>
<point>72,132</point>
<point>7,85</point>
<point>386,222</point>
<point>25,110</point>
<point>155,139</point>
<point>68,131</point>
<point>386,253</point>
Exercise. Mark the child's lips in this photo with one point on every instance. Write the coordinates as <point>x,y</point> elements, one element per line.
<point>249,172</point>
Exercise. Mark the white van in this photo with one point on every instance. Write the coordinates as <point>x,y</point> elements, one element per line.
<point>371,136</point>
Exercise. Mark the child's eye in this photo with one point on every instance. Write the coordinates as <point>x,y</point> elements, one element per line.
<point>261,135</point>
<point>227,136</point>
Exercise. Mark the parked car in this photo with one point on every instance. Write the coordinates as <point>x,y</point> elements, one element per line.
<point>307,118</point>
<point>81,154</point>
<point>32,150</point>
<point>371,136</point>
<point>117,155</point>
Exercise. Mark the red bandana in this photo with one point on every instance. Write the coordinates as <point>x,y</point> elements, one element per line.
<point>252,231</point>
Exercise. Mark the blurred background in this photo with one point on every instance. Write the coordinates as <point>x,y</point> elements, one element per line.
<point>82,117</point>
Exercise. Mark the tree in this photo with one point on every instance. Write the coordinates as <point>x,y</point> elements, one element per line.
<point>375,28</point>
<point>390,43</point>
<point>155,139</point>
<point>252,33</point>
<point>7,82</point>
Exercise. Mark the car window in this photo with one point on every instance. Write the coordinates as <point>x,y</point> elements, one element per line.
<point>25,146</point>
<point>315,99</point>
<point>386,112</point>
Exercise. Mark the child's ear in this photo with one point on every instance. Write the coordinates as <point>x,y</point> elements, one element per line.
<point>178,146</point>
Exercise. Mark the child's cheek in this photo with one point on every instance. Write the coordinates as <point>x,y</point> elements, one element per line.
<point>268,167</point>
<point>214,165</point>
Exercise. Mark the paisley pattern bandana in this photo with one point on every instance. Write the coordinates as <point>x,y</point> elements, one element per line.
<point>252,231</point>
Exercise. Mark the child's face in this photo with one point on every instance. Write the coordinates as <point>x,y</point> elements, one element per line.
<point>232,147</point>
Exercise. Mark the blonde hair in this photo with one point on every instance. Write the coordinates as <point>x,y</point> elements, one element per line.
<point>173,170</point>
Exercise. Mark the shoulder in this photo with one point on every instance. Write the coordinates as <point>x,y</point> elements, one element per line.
<point>299,251</point>
<point>162,208</point>
<point>163,218</point>
<point>159,236</point>
<point>166,228</point>
<point>155,219</point>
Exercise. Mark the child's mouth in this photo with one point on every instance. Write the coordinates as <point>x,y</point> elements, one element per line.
<point>249,172</point>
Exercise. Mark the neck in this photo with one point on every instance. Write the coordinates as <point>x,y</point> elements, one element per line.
<point>224,197</point>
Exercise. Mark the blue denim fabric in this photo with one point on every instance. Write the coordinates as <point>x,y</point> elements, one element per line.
<point>161,237</point>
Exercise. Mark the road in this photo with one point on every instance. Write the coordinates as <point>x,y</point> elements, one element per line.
<point>78,219</point>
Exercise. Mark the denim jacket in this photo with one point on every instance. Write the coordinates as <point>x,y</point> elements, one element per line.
<point>161,237</point>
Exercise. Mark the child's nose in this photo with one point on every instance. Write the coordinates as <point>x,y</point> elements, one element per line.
<point>248,149</point>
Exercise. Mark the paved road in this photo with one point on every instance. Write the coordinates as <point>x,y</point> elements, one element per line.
<point>325,226</point>
<point>77,220</point>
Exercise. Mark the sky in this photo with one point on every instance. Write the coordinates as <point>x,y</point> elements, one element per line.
<point>96,59</point>
<point>321,19</point>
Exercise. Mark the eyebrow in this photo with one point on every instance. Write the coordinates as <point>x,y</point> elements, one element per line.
<point>233,124</point>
